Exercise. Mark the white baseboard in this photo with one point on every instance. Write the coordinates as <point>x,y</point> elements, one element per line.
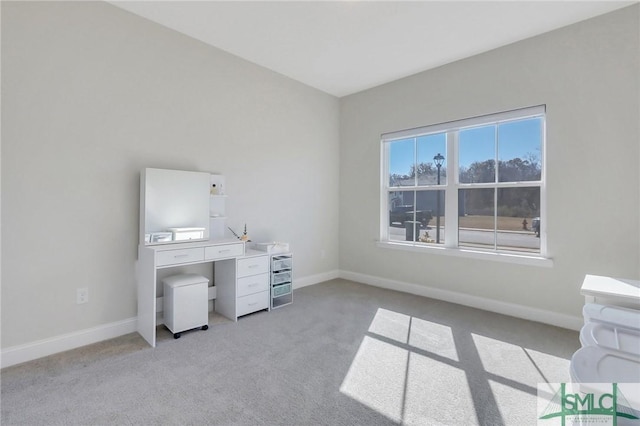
<point>505,308</point>
<point>38,349</point>
<point>315,279</point>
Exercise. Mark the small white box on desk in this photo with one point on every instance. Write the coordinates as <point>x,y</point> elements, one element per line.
<point>185,303</point>
<point>273,247</point>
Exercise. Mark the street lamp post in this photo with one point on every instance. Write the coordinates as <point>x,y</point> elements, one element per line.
<point>439,159</point>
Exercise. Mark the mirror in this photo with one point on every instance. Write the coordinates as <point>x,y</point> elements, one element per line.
<point>174,206</point>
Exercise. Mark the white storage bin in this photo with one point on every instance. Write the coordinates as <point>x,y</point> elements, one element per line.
<point>595,366</point>
<point>272,248</point>
<point>185,303</point>
<point>280,277</point>
<point>611,337</point>
<point>616,315</point>
<point>281,262</point>
<point>592,364</point>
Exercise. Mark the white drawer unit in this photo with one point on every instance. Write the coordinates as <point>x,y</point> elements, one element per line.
<point>243,285</point>
<point>179,256</point>
<point>185,303</point>
<point>223,251</point>
<point>281,282</point>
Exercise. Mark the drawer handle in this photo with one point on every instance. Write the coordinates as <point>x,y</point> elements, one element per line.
<point>253,285</point>
<point>252,304</point>
<point>224,251</point>
<point>253,266</point>
<point>180,255</point>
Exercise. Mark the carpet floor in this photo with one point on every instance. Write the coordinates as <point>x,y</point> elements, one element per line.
<point>342,354</point>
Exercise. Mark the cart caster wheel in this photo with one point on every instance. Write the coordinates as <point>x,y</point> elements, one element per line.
<point>205,327</point>
<point>176,335</point>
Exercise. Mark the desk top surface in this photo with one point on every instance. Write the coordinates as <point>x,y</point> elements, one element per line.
<point>595,285</point>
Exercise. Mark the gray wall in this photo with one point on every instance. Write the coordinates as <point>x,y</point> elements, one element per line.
<point>91,95</point>
<point>588,76</point>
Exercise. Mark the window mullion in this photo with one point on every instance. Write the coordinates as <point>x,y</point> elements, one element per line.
<point>451,192</point>
<point>385,190</point>
<point>495,190</point>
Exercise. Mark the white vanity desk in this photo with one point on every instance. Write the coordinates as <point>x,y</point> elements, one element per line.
<point>241,277</point>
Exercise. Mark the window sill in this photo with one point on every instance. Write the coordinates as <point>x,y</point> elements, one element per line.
<point>520,259</point>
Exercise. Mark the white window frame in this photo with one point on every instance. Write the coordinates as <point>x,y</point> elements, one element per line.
<point>452,185</point>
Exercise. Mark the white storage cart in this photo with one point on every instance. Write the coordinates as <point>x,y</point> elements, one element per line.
<point>185,303</point>
<point>281,280</point>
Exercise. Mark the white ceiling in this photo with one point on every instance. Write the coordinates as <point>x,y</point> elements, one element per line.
<point>342,47</point>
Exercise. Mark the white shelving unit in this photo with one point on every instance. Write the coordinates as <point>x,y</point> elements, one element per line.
<point>281,280</point>
<point>217,207</point>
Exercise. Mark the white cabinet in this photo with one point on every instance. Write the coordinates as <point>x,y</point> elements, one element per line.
<point>243,285</point>
<point>281,280</point>
<point>185,303</point>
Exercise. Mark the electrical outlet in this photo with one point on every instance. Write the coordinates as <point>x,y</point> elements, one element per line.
<point>82,295</point>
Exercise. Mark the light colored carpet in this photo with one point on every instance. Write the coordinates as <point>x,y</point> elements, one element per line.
<point>342,354</point>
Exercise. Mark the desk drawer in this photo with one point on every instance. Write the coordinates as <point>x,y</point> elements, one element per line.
<point>176,257</point>
<point>253,265</point>
<point>223,251</point>
<point>252,303</point>
<point>253,284</point>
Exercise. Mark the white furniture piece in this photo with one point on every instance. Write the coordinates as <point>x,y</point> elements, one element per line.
<point>185,303</point>
<point>610,338</point>
<point>281,280</point>
<point>248,288</point>
<point>192,205</point>
<point>611,291</point>
<point>152,258</point>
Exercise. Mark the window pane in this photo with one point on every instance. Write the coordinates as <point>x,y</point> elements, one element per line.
<point>519,219</point>
<point>401,162</point>
<point>407,223</point>
<point>432,223</point>
<point>519,151</point>
<point>476,222</point>
<point>477,154</point>
<point>428,148</point>
<point>400,211</point>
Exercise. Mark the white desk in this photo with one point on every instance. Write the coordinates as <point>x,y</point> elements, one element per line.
<point>231,300</point>
<point>611,291</point>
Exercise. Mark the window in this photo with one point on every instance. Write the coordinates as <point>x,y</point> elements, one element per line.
<point>475,184</point>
